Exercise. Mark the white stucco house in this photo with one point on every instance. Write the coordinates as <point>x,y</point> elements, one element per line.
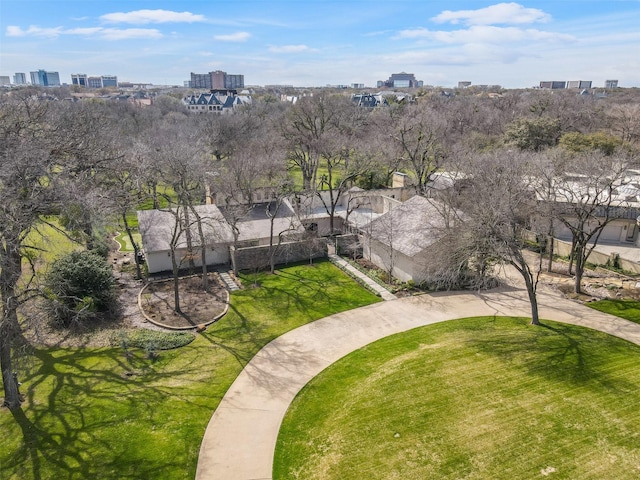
<point>163,229</point>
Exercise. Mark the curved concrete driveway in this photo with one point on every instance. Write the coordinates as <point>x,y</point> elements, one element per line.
<point>240,439</point>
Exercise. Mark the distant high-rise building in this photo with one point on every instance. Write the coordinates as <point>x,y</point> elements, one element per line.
<point>20,79</point>
<point>5,80</point>
<point>109,81</point>
<point>611,84</point>
<point>45,79</point>
<point>94,82</point>
<point>464,84</point>
<point>555,85</point>
<point>200,80</point>
<point>217,80</point>
<point>233,82</point>
<point>401,80</point>
<point>579,84</point>
<point>79,79</point>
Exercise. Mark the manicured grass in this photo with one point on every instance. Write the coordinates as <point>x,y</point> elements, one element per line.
<point>627,309</point>
<point>125,243</point>
<point>479,398</point>
<point>48,242</point>
<point>98,413</point>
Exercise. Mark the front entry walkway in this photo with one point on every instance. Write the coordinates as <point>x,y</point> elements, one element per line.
<point>240,439</point>
<point>369,282</point>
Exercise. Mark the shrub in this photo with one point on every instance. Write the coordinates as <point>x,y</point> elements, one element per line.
<point>80,286</point>
<point>151,340</point>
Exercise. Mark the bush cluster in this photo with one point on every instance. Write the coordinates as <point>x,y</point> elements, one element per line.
<point>80,287</point>
<point>151,340</point>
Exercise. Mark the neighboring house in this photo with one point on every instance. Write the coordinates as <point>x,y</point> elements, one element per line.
<point>622,215</point>
<point>401,241</point>
<point>159,229</point>
<point>622,230</point>
<point>367,100</point>
<point>215,102</point>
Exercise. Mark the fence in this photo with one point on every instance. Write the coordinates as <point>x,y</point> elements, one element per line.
<point>259,257</point>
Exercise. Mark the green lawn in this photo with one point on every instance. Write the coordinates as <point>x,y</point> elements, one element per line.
<point>125,243</point>
<point>627,309</point>
<point>47,242</point>
<point>96,413</point>
<point>479,398</point>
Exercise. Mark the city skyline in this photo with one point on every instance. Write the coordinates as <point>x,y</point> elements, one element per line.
<point>316,43</point>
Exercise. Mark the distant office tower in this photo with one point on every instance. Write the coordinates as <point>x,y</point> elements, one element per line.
<point>553,85</point>
<point>611,84</point>
<point>200,80</point>
<point>401,80</point>
<point>464,84</point>
<point>217,80</point>
<point>45,79</point>
<point>109,81</point>
<point>79,79</point>
<point>20,79</point>
<point>94,82</point>
<point>233,82</point>
<point>5,80</point>
<point>579,84</point>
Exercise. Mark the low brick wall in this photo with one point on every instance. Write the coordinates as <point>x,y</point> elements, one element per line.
<point>288,252</point>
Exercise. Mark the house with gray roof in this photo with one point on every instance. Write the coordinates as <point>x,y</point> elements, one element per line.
<point>215,102</point>
<point>403,240</point>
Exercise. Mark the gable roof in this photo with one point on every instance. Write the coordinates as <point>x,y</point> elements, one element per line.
<point>411,227</point>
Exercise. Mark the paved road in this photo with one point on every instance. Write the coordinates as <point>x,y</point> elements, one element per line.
<point>240,439</point>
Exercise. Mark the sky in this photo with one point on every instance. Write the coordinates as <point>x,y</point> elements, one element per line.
<point>318,43</point>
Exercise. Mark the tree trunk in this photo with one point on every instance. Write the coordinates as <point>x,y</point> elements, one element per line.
<point>550,248</point>
<point>9,274</point>
<point>136,248</point>
<point>533,299</point>
<point>579,270</point>
<point>8,326</point>
<point>12,398</point>
<point>203,249</point>
<point>572,256</point>
<point>176,283</point>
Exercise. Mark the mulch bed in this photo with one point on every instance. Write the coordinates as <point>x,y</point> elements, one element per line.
<point>198,307</point>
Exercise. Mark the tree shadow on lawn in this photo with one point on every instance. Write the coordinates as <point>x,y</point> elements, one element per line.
<point>66,435</point>
<point>558,352</point>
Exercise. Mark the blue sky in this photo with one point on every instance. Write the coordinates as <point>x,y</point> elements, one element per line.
<point>315,43</point>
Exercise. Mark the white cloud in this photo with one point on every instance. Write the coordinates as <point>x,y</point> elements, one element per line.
<point>501,13</point>
<point>288,48</point>
<point>130,33</point>
<point>33,31</point>
<point>233,37</point>
<point>141,17</point>
<point>98,32</point>
<point>486,34</point>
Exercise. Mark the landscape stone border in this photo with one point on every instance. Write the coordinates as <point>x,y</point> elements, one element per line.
<point>171,327</point>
